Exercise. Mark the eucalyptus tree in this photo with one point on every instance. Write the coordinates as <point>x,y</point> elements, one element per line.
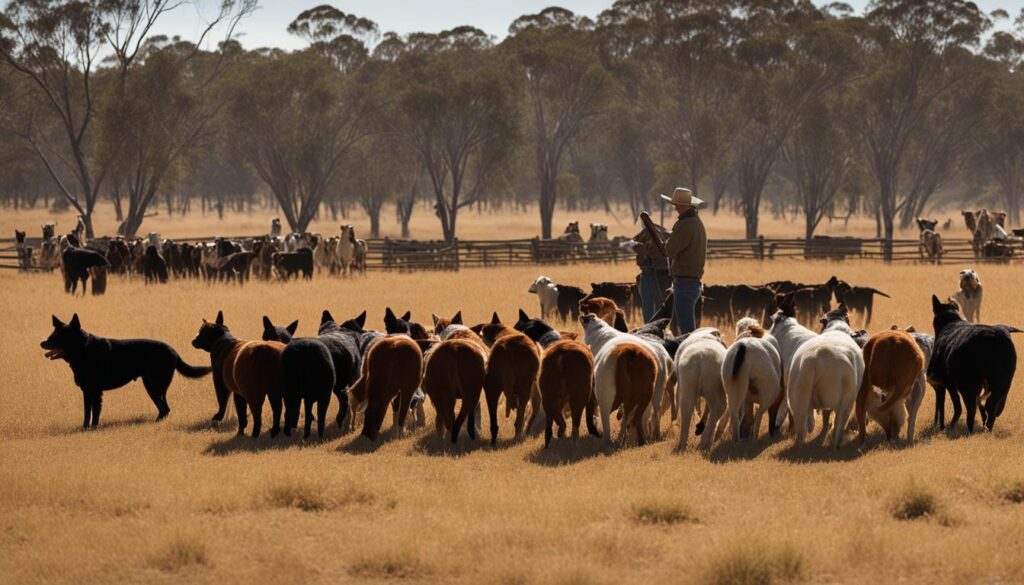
<point>59,46</point>
<point>565,87</point>
<point>912,54</point>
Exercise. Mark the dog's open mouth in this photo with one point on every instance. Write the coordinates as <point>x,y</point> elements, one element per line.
<point>54,354</point>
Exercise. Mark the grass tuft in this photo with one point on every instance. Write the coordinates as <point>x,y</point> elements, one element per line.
<point>1013,492</point>
<point>388,564</point>
<point>180,552</point>
<point>307,496</point>
<point>756,565</point>
<point>662,513</point>
<point>914,502</point>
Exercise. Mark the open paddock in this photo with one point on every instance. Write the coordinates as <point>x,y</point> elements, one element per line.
<point>142,501</point>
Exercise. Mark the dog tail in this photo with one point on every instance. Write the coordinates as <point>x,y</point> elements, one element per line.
<point>741,353</point>
<point>191,371</point>
<point>1010,329</point>
<point>878,292</point>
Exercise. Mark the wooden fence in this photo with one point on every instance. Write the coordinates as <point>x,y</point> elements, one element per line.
<point>410,255</point>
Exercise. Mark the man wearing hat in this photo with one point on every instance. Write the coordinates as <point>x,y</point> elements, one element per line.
<point>687,250</point>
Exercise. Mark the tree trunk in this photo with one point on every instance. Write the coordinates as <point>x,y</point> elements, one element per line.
<point>374,213</point>
<point>548,194</point>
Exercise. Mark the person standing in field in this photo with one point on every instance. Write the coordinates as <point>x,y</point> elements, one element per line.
<point>687,250</point>
<point>654,275</point>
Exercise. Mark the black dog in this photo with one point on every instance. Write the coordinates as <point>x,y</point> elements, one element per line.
<point>307,373</point>
<point>76,263</point>
<point>106,364</point>
<point>344,343</point>
<point>859,299</point>
<point>970,358</point>
<point>154,267</point>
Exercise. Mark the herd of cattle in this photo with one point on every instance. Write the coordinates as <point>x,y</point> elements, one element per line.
<point>777,367</point>
<point>158,260</point>
<point>989,238</point>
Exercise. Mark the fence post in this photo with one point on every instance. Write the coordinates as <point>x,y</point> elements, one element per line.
<point>760,247</point>
<point>887,250</point>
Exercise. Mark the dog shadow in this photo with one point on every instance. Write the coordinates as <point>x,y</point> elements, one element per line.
<point>562,452</point>
<point>433,445</point>
<point>819,449</point>
<point>726,449</point>
<point>135,421</point>
<point>247,444</point>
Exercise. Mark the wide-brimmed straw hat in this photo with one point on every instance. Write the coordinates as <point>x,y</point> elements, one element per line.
<point>683,196</point>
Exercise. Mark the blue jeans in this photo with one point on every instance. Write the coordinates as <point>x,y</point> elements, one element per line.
<point>653,284</point>
<point>687,293</point>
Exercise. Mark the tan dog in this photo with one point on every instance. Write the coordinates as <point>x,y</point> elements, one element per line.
<point>250,370</point>
<point>892,362</point>
<point>392,368</point>
<point>511,370</point>
<point>969,296</point>
<point>605,309</point>
<point>455,370</point>
<point>566,377</point>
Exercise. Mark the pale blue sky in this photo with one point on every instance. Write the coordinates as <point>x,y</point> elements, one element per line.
<point>267,26</point>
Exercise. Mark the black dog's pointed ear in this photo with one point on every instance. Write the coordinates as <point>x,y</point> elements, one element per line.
<point>326,316</point>
<point>57,322</point>
<point>220,318</point>
<point>434,318</point>
<point>75,323</point>
<point>389,315</point>
<point>457,319</point>
<point>361,319</point>
<point>843,309</point>
<point>293,327</point>
<point>407,316</point>
<point>266,323</point>
<point>494,319</point>
<point>936,304</point>
<point>522,315</point>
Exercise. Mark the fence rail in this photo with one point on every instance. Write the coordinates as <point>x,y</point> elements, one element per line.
<point>409,255</point>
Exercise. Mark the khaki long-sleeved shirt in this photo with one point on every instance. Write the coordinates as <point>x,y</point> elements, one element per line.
<point>687,246</point>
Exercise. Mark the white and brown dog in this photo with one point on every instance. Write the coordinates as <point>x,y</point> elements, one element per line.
<point>969,295</point>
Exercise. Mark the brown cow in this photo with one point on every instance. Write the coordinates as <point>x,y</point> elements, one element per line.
<point>455,370</point>
<point>892,362</point>
<point>511,369</point>
<point>251,370</point>
<point>566,377</point>
<point>391,368</point>
<point>635,374</point>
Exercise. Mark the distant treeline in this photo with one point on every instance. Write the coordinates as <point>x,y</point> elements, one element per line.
<point>757,105</point>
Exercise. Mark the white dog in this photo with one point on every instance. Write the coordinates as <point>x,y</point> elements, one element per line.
<point>826,373</point>
<point>602,338</point>
<point>969,295</point>
<point>547,291</point>
<point>699,375</point>
<point>751,373</point>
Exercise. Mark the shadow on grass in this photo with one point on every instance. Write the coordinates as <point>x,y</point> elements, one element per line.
<point>247,444</point>
<point>726,449</point>
<point>135,421</point>
<point>563,452</point>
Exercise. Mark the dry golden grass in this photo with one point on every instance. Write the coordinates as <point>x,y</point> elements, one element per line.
<point>139,501</point>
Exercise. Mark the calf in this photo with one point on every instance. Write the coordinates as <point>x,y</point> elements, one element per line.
<point>716,303</point>
<point>78,264</point>
<point>547,292</point>
<point>512,368</point>
<point>307,373</point>
<point>569,298</point>
<point>858,299</point>
<point>249,370</point>
<point>968,359</point>
<point>289,264</point>
<point>154,268</point>
<point>892,363</point>
<point>751,301</point>
<point>621,293</point>
<point>566,378</point>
